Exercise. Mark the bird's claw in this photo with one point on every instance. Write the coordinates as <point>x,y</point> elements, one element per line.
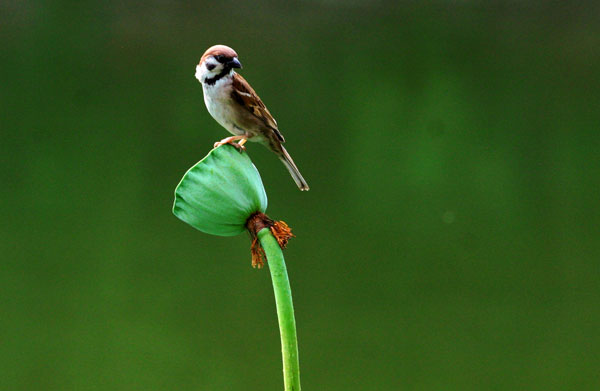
<point>237,146</point>
<point>231,141</point>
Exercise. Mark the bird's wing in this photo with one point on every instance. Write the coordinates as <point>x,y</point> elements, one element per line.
<point>245,96</point>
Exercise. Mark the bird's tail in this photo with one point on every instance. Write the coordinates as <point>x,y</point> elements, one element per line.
<point>291,166</point>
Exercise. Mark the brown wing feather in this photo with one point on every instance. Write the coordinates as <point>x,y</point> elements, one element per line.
<point>245,95</point>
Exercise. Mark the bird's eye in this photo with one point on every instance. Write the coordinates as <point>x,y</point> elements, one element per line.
<point>220,58</point>
<point>210,67</point>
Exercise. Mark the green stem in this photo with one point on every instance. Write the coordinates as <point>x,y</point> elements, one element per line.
<point>285,309</point>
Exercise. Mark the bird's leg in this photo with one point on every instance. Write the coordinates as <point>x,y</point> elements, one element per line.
<point>230,140</point>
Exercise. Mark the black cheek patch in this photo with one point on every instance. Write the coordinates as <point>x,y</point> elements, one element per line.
<point>210,67</point>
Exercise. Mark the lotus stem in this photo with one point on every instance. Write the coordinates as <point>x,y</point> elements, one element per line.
<point>285,309</point>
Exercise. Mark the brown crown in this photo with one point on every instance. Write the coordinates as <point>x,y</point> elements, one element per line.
<point>218,50</point>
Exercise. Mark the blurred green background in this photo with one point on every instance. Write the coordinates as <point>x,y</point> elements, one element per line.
<point>450,240</point>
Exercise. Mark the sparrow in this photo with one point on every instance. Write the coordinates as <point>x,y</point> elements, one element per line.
<point>232,102</point>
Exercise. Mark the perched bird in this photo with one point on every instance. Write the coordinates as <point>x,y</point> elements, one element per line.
<point>234,104</point>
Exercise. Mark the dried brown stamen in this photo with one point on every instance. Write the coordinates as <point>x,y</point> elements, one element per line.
<point>282,233</point>
<point>279,229</point>
<point>258,254</point>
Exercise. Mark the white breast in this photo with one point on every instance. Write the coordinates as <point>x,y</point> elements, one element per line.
<point>217,98</point>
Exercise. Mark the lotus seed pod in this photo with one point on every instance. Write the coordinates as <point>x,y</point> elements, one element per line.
<point>220,192</point>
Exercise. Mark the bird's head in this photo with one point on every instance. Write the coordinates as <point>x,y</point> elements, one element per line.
<point>218,60</point>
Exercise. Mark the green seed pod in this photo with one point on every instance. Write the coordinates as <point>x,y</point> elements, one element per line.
<point>220,192</point>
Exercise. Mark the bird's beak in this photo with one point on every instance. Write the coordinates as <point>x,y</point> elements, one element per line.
<point>235,63</point>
